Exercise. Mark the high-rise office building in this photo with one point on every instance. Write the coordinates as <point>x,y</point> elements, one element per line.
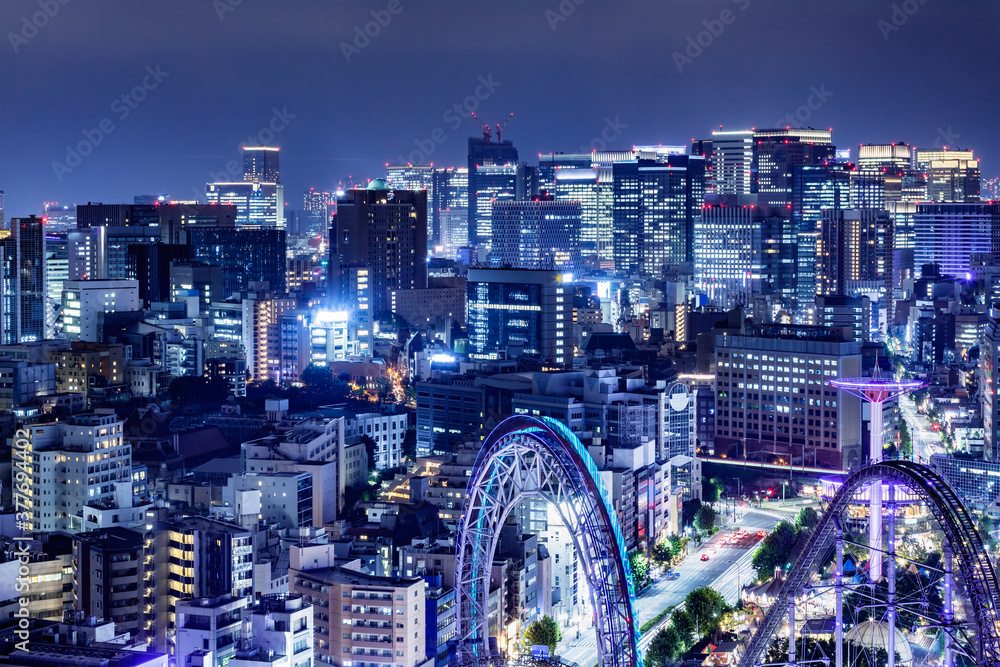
<point>449,226</point>
<point>260,197</point>
<point>884,156</point>
<point>656,206</point>
<point>573,177</point>
<point>776,152</point>
<point>56,273</point>
<point>729,161</point>
<point>260,164</point>
<point>527,311</point>
<point>854,253</point>
<point>385,231</point>
<point>742,250</point>
<point>415,177</point>
<point>538,233</point>
<point>96,214</point>
<point>494,175</point>
<point>949,234</point>
<point>245,255</point>
<point>952,175</point>
<point>773,400</point>
<point>815,188</point>
<point>22,281</point>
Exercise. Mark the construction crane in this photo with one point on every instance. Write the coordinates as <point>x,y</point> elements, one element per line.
<point>500,127</point>
<point>487,131</point>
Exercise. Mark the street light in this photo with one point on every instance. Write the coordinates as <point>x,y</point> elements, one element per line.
<point>739,494</point>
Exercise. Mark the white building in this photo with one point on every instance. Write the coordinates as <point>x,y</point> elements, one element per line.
<point>387,430</point>
<point>84,300</point>
<point>81,475</point>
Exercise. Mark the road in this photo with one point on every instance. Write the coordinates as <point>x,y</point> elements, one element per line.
<point>726,569</point>
<point>926,441</point>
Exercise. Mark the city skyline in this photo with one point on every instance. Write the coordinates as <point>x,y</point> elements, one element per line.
<point>131,96</point>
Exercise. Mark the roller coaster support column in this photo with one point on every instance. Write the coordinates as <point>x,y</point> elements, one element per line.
<point>839,574</point>
<point>891,573</point>
<point>791,629</point>
<point>949,611</point>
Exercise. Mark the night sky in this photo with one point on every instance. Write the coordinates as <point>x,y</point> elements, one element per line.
<point>213,73</point>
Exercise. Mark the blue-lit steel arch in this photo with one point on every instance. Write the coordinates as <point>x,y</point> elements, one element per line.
<point>963,540</point>
<point>524,457</point>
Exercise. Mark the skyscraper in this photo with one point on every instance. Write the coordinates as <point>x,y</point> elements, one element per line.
<point>573,177</point>
<point>22,281</point>
<point>384,230</point>
<point>494,175</point>
<point>952,175</point>
<point>260,164</point>
<point>415,177</point>
<point>521,309</point>
<point>260,197</point>
<point>656,206</point>
<point>729,155</point>
<point>815,188</point>
<point>245,255</point>
<point>449,226</point>
<point>537,233</point>
<point>776,152</point>
<point>854,253</point>
<point>948,234</point>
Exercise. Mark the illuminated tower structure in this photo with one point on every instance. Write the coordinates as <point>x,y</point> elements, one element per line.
<point>876,390</point>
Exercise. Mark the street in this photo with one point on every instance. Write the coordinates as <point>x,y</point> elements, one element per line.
<point>926,441</point>
<point>726,570</point>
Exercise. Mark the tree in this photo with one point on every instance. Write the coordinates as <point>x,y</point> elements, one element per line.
<point>905,440</point>
<point>677,544</point>
<point>709,491</point>
<point>660,553</point>
<point>640,569</point>
<point>543,632</point>
<point>705,518</point>
<point>317,376</point>
<point>664,646</point>
<point>684,622</point>
<point>706,605</point>
<point>689,509</point>
<point>807,519</point>
<point>774,550</point>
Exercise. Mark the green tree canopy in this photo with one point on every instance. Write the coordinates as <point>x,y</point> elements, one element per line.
<point>706,605</point>
<point>710,492</point>
<point>665,646</point>
<point>705,518</point>
<point>640,569</point>
<point>807,518</point>
<point>774,550</point>
<point>543,632</point>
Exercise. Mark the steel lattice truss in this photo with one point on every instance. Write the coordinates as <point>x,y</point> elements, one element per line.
<point>953,517</point>
<point>525,456</point>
